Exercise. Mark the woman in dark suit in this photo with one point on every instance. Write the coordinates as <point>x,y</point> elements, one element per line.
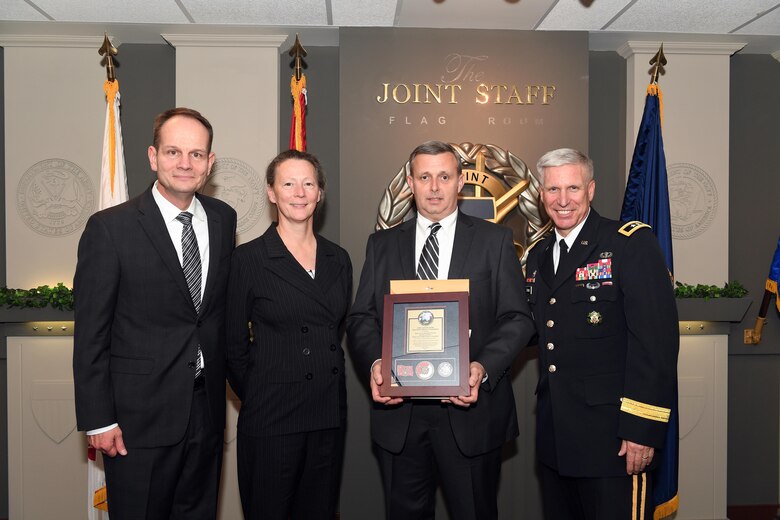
<point>294,288</point>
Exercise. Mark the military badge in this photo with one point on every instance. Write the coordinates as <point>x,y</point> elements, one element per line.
<point>424,370</point>
<point>594,318</point>
<point>605,254</point>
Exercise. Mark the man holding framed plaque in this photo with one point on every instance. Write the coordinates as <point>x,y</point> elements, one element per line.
<point>453,441</point>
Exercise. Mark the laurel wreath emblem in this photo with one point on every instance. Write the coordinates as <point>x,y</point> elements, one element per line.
<point>397,198</point>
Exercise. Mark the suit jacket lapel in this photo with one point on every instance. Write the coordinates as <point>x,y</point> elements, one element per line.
<point>545,260</point>
<point>406,259</point>
<point>328,269</point>
<point>464,235</point>
<point>283,264</point>
<point>215,253</point>
<point>152,222</point>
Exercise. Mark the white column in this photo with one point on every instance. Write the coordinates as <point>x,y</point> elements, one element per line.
<point>233,80</point>
<point>696,142</point>
<point>54,120</point>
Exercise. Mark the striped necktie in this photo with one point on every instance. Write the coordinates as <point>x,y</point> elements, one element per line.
<point>190,264</point>
<point>428,267</point>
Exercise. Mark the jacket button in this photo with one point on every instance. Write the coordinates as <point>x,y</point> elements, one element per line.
<point>304,329</point>
<point>191,364</point>
<point>309,376</point>
<point>306,351</point>
<point>551,369</point>
<point>550,346</point>
<point>593,298</point>
<point>335,370</point>
<point>200,322</point>
<point>552,301</point>
<point>333,348</point>
<point>331,326</point>
<point>550,324</point>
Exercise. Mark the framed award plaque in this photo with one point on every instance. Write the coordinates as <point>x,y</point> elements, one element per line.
<point>425,345</point>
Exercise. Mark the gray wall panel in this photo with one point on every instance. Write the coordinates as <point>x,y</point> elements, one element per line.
<point>754,224</point>
<point>322,124</point>
<point>607,130</point>
<point>147,83</point>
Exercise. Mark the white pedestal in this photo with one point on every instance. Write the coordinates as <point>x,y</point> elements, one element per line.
<point>703,391</point>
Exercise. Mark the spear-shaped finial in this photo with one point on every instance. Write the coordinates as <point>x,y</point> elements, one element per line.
<point>109,51</point>
<point>658,61</point>
<point>298,52</point>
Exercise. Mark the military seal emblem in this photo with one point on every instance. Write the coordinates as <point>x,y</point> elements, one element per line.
<point>693,200</point>
<point>55,197</point>
<point>235,182</point>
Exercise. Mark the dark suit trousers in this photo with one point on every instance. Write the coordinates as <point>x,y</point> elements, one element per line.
<point>604,498</point>
<point>176,482</point>
<point>430,456</point>
<point>294,476</point>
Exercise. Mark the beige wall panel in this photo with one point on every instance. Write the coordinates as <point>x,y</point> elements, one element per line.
<point>47,457</point>
<point>54,118</point>
<point>235,84</point>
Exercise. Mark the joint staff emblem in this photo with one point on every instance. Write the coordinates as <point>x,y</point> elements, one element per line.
<point>499,188</point>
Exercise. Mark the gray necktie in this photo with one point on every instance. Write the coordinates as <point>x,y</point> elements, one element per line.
<point>428,267</point>
<point>190,259</point>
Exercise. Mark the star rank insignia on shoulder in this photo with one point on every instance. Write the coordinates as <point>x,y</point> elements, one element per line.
<point>629,228</point>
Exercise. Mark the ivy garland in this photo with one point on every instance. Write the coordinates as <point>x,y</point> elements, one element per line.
<point>59,297</point>
<point>729,290</point>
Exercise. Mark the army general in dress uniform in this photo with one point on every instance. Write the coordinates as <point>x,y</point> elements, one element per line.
<point>604,308</point>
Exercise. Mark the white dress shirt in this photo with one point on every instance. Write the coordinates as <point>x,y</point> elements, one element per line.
<point>446,237</point>
<point>569,239</point>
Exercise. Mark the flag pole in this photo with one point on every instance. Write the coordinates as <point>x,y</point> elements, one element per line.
<point>299,96</point>
<point>753,336</point>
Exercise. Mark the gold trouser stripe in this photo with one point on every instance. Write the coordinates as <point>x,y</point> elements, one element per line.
<point>638,497</point>
<point>644,410</point>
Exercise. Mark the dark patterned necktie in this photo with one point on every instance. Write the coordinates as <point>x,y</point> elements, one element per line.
<point>428,267</point>
<point>564,250</point>
<point>190,260</point>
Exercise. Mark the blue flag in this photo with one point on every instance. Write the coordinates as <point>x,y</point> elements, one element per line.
<point>647,200</point>
<point>774,275</point>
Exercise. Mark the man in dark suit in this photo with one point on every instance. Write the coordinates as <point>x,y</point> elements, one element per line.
<point>608,342</point>
<point>456,442</point>
<point>148,360</point>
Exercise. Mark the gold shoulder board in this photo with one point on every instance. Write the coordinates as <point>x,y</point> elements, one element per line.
<point>629,228</point>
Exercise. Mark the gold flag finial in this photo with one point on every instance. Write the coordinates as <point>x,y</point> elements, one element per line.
<point>109,51</point>
<point>658,61</point>
<point>298,52</point>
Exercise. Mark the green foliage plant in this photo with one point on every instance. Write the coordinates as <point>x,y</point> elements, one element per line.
<point>58,297</point>
<point>729,290</point>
